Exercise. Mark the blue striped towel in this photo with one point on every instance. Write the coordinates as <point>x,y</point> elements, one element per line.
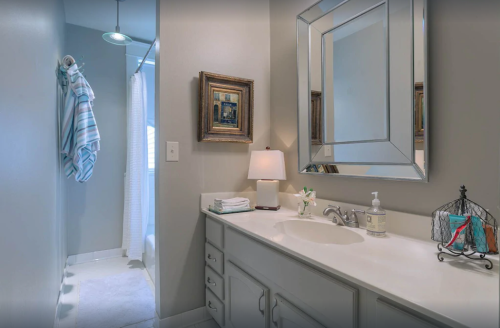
<point>80,136</point>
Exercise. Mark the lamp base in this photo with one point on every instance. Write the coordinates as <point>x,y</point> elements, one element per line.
<point>267,195</point>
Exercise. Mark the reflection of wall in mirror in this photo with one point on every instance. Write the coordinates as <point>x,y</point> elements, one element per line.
<point>418,9</point>
<point>316,59</point>
<point>359,64</point>
<point>353,169</point>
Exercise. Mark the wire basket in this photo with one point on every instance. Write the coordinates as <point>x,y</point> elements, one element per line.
<point>464,228</point>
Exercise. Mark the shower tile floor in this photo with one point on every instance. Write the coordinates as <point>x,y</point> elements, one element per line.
<point>68,310</point>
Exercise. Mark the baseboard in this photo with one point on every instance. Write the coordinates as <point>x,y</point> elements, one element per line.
<point>183,320</point>
<point>59,296</point>
<point>94,256</point>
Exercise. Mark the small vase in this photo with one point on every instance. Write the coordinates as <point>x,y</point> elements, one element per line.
<point>304,211</point>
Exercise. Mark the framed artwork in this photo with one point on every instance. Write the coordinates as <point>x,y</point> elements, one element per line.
<point>419,112</point>
<point>225,109</point>
<point>316,118</point>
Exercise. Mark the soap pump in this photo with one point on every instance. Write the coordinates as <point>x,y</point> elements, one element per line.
<point>375,218</point>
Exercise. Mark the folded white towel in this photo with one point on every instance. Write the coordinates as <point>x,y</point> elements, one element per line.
<point>231,208</point>
<point>232,205</point>
<point>232,201</point>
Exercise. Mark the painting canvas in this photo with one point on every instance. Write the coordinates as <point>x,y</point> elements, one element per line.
<point>226,113</point>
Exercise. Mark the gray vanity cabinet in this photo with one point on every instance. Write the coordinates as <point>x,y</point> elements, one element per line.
<point>390,316</point>
<point>286,315</point>
<point>247,301</point>
<point>251,284</point>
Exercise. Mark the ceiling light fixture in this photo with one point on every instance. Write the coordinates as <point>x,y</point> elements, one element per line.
<point>116,37</point>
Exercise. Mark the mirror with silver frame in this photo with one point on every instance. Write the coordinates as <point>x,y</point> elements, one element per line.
<point>362,72</point>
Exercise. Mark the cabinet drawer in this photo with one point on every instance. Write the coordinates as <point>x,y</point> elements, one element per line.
<point>214,258</point>
<point>215,307</point>
<point>215,232</point>
<point>214,282</point>
<point>321,296</point>
<point>390,316</point>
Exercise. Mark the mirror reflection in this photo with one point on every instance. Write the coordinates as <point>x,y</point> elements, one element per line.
<point>357,78</point>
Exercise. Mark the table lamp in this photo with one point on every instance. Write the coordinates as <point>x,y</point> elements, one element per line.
<point>267,167</point>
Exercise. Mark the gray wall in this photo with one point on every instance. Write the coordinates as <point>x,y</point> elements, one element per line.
<point>220,36</point>
<point>95,208</point>
<point>464,112</point>
<point>32,229</point>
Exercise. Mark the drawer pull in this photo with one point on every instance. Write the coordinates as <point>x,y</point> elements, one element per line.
<point>260,298</point>
<point>272,312</point>
<point>210,306</point>
<point>211,283</point>
<point>211,258</point>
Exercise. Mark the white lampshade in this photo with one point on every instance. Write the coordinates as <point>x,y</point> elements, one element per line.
<point>267,165</point>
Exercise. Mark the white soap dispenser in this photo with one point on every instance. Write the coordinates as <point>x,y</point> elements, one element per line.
<point>375,218</point>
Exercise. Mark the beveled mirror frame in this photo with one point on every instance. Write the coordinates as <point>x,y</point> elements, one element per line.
<point>413,171</point>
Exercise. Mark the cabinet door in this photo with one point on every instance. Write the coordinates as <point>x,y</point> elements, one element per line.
<point>286,315</point>
<point>389,316</point>
<point>247,300</point>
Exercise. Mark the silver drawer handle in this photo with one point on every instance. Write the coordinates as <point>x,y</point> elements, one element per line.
<point>210,282</point>
<point>260,298</point>
<point>211,258</point>
<point>210,306</point>
<point>272,312</point>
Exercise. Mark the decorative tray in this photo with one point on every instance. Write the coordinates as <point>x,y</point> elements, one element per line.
<point>211,209</point>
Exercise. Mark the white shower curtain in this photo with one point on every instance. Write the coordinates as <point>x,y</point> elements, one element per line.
<point>136,209</point>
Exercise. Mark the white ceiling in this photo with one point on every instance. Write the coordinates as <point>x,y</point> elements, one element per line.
<point>137,17</point>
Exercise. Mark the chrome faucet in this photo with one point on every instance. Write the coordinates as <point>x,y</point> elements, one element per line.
<point>343,219</point>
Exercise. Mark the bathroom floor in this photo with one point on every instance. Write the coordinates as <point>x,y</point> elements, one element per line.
<point>75,274</point>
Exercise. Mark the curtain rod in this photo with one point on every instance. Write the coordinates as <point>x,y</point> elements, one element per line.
<point>144,59</point>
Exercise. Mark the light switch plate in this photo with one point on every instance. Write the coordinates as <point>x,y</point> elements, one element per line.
<point>172,150</point>
<point>328,150</point>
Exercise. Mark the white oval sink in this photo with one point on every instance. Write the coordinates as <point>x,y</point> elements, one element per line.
<point>319,232</point>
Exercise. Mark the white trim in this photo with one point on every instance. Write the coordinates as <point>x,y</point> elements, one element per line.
<point>94,256</point>
<point>183,320</point>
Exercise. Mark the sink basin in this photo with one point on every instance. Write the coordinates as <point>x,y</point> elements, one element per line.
<point>319,232</point>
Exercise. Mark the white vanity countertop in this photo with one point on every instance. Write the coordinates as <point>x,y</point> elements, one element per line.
<point>459,293</point>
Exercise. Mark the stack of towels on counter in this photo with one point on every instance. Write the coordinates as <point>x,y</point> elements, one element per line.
<point>232,204</point>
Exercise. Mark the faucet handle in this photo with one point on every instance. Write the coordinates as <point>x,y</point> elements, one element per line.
<point>354,217</point>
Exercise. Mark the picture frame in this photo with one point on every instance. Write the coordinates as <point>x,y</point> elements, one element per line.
<point>316,118</point>
<point>419,112</point>
<point>226,105</point>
